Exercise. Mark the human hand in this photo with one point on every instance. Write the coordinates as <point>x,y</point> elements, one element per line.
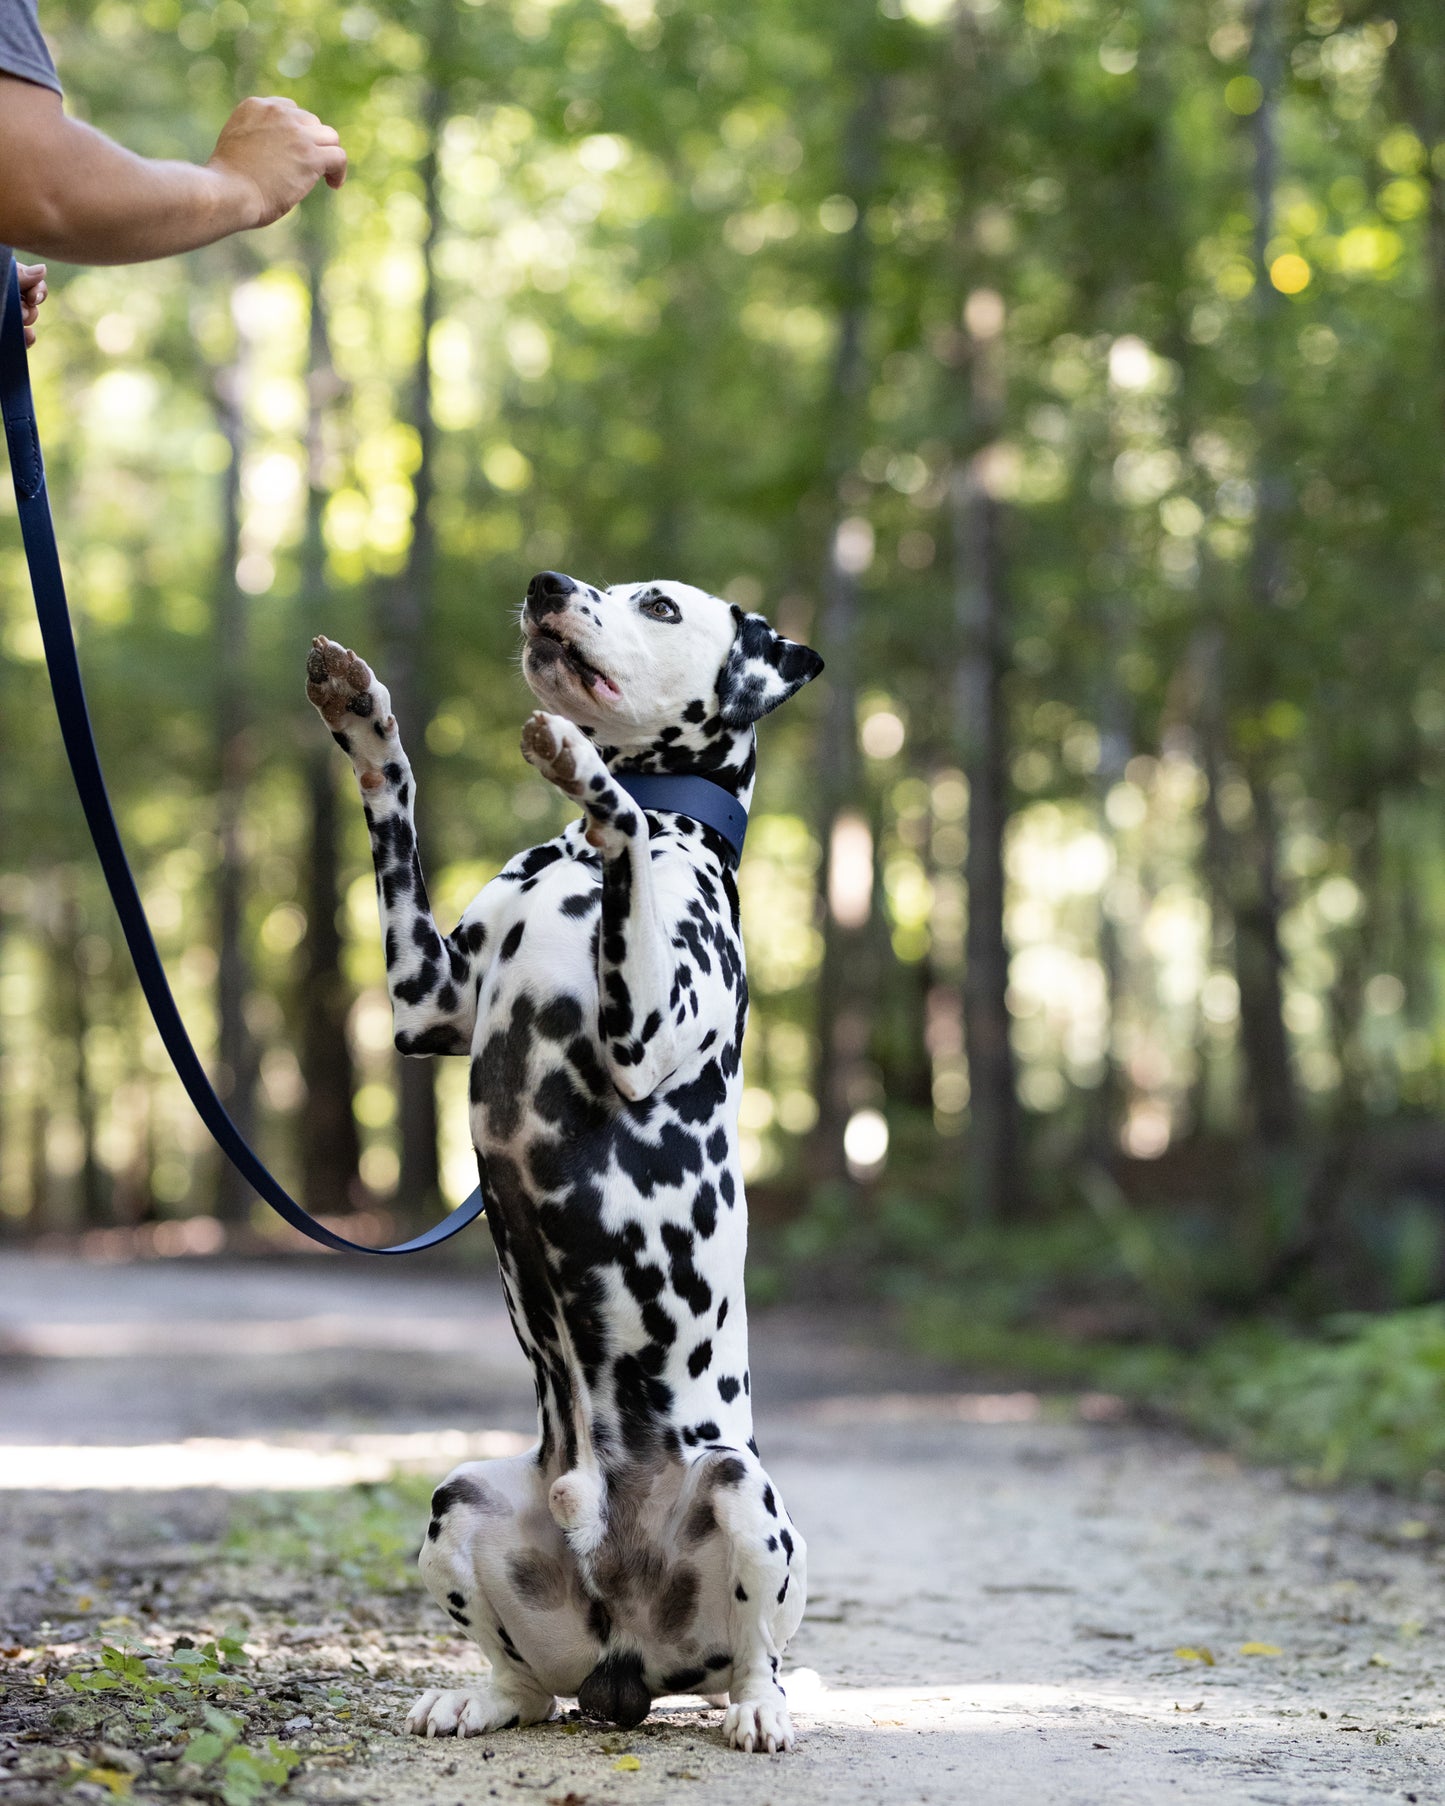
<point>273,153</point>
<point>32,292</point>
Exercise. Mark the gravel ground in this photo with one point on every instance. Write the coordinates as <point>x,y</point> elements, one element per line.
<point>1013,1599</point>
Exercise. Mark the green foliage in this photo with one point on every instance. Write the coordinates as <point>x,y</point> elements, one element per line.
<point>365,1535</point>
<point>174,1696</point>
<point>651,228</point>
<point>238,1772</point>
<point>165,1691</point>
<point>1363,1401</point>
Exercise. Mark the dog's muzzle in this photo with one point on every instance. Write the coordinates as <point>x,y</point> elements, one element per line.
<point>547,594</point>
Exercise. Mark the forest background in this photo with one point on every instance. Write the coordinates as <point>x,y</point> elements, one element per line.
<point>1071,374</point>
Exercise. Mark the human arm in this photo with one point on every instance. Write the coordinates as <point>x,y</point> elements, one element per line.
<point>75,194</point>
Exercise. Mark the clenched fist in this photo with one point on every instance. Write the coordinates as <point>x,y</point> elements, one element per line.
<point>276,152</point>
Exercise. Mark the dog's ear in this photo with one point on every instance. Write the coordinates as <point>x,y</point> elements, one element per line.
<point>761,670</point>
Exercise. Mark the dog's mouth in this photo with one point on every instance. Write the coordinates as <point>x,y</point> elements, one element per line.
<point>549,648</point>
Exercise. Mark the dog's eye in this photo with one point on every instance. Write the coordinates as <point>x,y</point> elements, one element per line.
<point>660,608</point>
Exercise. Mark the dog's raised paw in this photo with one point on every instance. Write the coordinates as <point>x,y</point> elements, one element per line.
<point>340,684</point>
<point>559,752</point>
<point>759,1727</point>
<point>463,1712</point>
<point>547,743</point>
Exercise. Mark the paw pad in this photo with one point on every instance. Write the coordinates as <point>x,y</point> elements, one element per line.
<point>339,683</point>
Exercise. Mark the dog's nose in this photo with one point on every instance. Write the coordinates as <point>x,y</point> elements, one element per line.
<point>547,593</point>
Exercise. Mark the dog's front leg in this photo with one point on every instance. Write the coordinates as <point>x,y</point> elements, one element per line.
<point>641,1044</point>
<point>431,978</point>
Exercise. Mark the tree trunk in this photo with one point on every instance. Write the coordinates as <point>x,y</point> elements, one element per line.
<point>1259,957</point>
<point>95,1192</point>
<point>1417,72</point>
<point>330,1145</point>
<point>1106,1101</point>
<point>406,637</point>
<point>995,1187</point>
<point>842,992</point>
<point>992,1181</point>
<point>236,1058</point>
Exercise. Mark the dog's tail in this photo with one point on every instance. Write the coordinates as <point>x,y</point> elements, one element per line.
<point>578,1503</point>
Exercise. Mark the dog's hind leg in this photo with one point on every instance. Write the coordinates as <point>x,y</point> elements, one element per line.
<point>498,1566</point>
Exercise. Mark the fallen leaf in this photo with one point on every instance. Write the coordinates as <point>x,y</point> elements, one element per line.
<point>1186,1654</point>
<point>1196,1708</point>
<point>1413,1530</point>
<point>116,1779</point>
<point>1380,1661</point>
<point>626,1764</point>
<point>1265,1649</point>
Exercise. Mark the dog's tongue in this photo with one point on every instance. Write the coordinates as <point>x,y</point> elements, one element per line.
<point>603,687</point>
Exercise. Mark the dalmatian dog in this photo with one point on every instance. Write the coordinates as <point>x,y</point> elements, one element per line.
<point>598,985</point>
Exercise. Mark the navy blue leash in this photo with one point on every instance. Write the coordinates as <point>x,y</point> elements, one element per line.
<point>38,531</point>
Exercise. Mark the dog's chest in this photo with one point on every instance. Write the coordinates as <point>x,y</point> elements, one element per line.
<point>538,1071</point>
<point>622,1222</point>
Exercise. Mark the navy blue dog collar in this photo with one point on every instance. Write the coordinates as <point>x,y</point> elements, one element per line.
<point>700,798</point>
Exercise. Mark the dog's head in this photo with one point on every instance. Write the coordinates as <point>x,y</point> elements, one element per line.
<point>661,675</point>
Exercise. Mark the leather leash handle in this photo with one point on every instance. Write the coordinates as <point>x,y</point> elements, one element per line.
<point>37,529</point>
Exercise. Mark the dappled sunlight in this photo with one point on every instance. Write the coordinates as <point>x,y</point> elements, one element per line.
<point>301,1463</point>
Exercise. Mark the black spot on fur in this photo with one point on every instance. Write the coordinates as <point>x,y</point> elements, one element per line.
<point>462,1491</point>
<point>687,1282</point>
<point>700,1523</point>
<point>511,941</point>
<point>683,1680</point>
<point>674,1608</point>
<point>499,1073</point>
<point>704,1210</point>
<point>540,1582</point>
<point>700,1359</point>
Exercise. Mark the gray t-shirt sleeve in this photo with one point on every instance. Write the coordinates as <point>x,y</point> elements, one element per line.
<point>23,50</point>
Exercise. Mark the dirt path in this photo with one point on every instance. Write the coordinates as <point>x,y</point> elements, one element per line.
<point>1001,1589</point>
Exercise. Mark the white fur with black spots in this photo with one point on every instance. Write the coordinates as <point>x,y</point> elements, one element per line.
<point>598,986</point>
